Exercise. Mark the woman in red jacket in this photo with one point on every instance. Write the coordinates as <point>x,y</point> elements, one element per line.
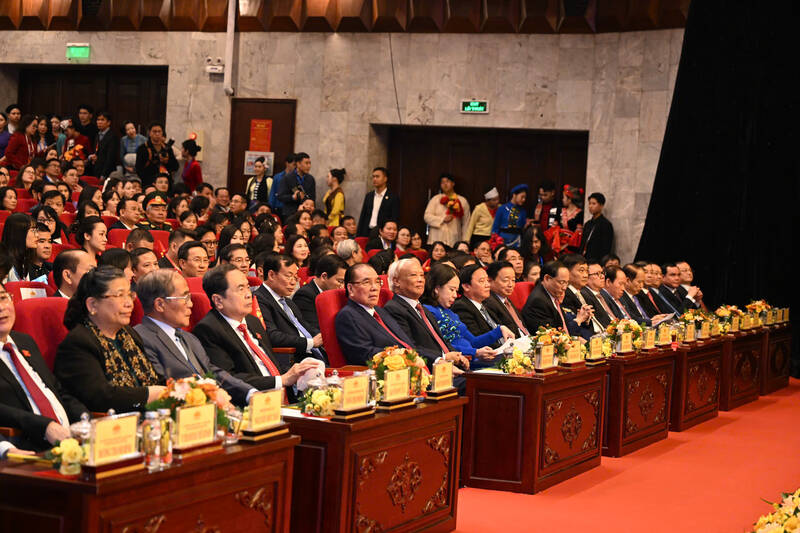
<point>192,173</point>
<point>21,147</point>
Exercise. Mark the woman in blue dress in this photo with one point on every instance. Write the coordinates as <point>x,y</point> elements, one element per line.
<point>441,290</point>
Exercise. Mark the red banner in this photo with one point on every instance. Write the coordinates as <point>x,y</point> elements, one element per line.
<point>260,135</point>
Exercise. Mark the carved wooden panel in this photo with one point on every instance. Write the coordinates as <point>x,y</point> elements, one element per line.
<point>426,15</point>
<point>540,16</point>
<point>646,402</point>
<point>500,16</point>
<point>462,16</point>
<point>34,14</point>
<point>319,15</point>
<point>702,385</point>
<point>10,14</point>
<point>283,15</point>
<point>156,15</point>
<point>777,363</point>
<point>571,428</point>
<point>355,15</point>
<point>398,484</point>
<point>309,465</point>
<point>746,361</point>
<point>124,15</point>
<point>579,17</point>
<point>389,15</point>
<point>505,413</point>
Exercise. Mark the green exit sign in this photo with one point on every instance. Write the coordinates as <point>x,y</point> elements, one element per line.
<point>78,52</point>
<point>475,106</point>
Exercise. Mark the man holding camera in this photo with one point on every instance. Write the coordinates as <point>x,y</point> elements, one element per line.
<point>297,186</point>
<point>154,155</point>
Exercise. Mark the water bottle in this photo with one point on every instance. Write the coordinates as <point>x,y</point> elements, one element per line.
<point>151,441</point>
<point>167,437</point>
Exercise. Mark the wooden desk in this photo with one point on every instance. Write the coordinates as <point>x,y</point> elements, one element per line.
<point>395,471</point>
<point>742,353</point>
<point>524,434</point>
<point>777,360</point>
<point>244,488</point>
<point>639,397</point>
<point>695,393</point>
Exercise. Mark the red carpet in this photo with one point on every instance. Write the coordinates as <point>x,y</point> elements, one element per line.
<point>709,478</point>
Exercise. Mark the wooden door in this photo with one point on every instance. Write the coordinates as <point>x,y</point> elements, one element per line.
<point>480,158</point>
<point>243,111</point>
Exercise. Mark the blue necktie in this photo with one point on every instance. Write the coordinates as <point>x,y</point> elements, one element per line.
<point>303,331</point>
<point>666,301</point>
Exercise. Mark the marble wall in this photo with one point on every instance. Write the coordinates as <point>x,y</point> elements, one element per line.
<point>618,86</point>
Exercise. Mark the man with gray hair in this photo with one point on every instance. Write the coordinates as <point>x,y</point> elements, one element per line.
<point>350,251</point>
<point>173,352</point>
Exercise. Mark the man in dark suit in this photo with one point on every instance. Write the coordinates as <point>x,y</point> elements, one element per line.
<point>469,308</point>
<point>598,233</point>
<point>68,269</point>
<point>130,214</point>
<point>297,186</point>
<point>106,149</point>
<point>670,290</point>
<point>174,352</point>
<point>613,291</point>
<point>31,398</point>
<point>362,328</point>
<point>407,281</point>
<point>234,339</point>
<point>578,279</point>
<point>283,320</point>
<point>329,274</point>
<point>543,307</point>
<point>634,284</point>
<point>501,282</point>
<point>385,240</point>
<point>595,283</point>
<point>379,204</point>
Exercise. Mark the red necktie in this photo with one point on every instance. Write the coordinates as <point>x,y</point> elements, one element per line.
<point>622,308</point>
<point>603,303</point>
<point>558,308</point>
<point>513,313</point>
<point>380,321</point>
<point>432,331</point>
<point>650,295</point>
<point>41,401</point>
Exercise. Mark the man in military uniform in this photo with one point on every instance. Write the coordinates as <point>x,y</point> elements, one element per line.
<point>155,210</point>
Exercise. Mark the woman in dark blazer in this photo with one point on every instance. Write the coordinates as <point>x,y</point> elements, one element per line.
<point>101,361</point>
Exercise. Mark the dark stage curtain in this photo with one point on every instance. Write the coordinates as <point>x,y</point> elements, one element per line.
<point>725,193</point>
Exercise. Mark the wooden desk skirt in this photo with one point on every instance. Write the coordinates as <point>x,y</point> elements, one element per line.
<point>244,488</point>
<point>695,393</point>
<point>524,434</point>
<point>396,471</point>
<point>777,360</point>
<point>639,398</point>
<point>742,355</point>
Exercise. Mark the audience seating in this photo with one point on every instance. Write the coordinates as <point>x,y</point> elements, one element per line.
<point>51,282</point>
<point>303,275</point>
<point>70,208</point>
<point>137,314</point>
<point>384,296</point>
<point>254,281</point>
<point>43,319</point>
<point>521,292</point>
<point>109,220</point>
<point>4,214</point>
<point>172,222</point>
<point>91,180</point>
<point>23,193</point>
<point>117,237</point>
<point>76,195</point>
<point>17,290</point>
<point>328,305</point>
<point>58,248</point>
<point>24,205</point>
<point>362,242</point>
<point>161,241</point>
<point>195,284</point>
<point>372,253</point>
<point>67,218</point>
<point>200,308</point>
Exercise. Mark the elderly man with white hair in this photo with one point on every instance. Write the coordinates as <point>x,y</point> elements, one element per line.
<point>350,251</point>
<point>407,281</point>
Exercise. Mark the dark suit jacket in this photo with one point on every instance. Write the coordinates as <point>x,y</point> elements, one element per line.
<point>168,362</point>
<point>599,312</point>
<point>633,311</point>
<point>228,352</point>
<point>305,299</point>
<point>618,314</point>
<point>280,329</point>
<point>473,319</point>
<point>360,336</point>
<point>414,327</point>
<point>598,235</point>
<point>15,409</point>
<point>389,210</point>
<point>647,305</point>
<point>680,303</point>
<point>499,312</point>
<point>80,366</point>
<point>377,244</point>
<point>107,152</point>
<point>571,302</point>
<point>286,188</point>
<point>540,311</point>
<point>118,225</point>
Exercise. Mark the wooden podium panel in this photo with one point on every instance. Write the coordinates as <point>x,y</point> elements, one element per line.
<point>524,434</point>
<point>243,488</point>
<point>639,397</point>
<point>397,471</point>
<point>777,360</point>
<point>741,368</point>
<point>695,393</point>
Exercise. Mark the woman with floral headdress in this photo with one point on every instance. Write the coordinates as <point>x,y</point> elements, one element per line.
<point>566,222</point>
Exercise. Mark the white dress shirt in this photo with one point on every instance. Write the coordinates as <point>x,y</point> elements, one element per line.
<point>259,363</point>
<point>376,205</point>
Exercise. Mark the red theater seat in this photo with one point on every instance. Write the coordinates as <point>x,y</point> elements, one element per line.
<point>362,241</point>
<point>24,205</point>
<point>20,290</point>
<point>23,193</point>
<point>254,281</point>
<point>91,180</point>
<point>195,284</point>
<point>117,237</point>
<point>328,305</point>
<point>161,244</point>
<point>200,308</point>
<point>4,214</point>
<point>521,292</point>
<point>109,220</point>
<point>137,314</point>
<point>58,248</point>
<point>67,218</point>
<point>384,296</point>
<point>42,319</point>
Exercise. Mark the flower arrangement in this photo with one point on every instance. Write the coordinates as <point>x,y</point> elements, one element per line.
<point>785,518</point>
<point>518,364</point>
<point>726,312</point>
<point>625,325</point>
<point>191,392</point>
<point>560,340</point>
<point>691,316</point>
<point>320,401</point>
<point>68,455</point>
<point>453,205</point>
<point>396,358</point>
<point>758,306</point>
<point>607,348</point>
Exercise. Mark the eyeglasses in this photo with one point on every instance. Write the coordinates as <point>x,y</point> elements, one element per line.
<point>598,274</point>
<point>200,260</point>
<point>5,298</point>
<point>369,282</point>
<point>240,260</point>
<point>120,296</point>
<point>186,298</point>
<point>209,244</point>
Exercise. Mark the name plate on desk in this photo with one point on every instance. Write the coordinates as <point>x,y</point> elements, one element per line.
<point>734,323</point>
<point>396,384</point>
<point>778,315</point>
<point>596,347</point>
<point>625,343</point>
<point>785,314</point>
<point>705,330</point>
<point>544,357</point>
<point>265,409</point>
<point>746,321</point>
<point>196,426</point>
<point>355,390</point>
<point>574,352</point>
<point>715,329</point>
<point>770,317</point>
<point>691,333</point>
<point>664,335</point>
<point>114,439</point>
<point>649,339</point>
<point>442,376</point>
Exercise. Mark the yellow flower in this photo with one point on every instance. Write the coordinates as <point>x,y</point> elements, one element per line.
<point>56,450</point>
<point>321,398</point>
<point>72,455</point>
<point>526,361</point>
<point>610,329</point>
<point>519,371</point>
<point>67,444</point>
<point>546,339</point>
<point>377,358</point>
<point>337,395</point>
<point>792,524</point>
<point>395,362</point>
<point>195,397</point>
